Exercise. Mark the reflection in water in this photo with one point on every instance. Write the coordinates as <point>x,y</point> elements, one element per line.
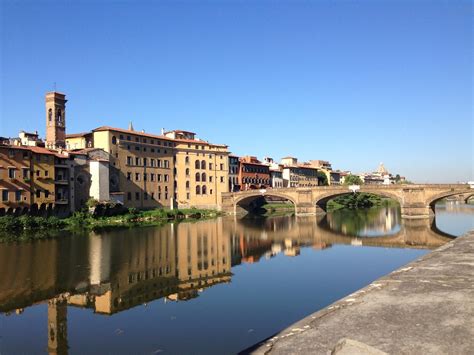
<point>115,271</point>
<point>365,222</point>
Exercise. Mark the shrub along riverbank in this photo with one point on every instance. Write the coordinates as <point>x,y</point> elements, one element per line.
<point>28,227</point>
<point>358,200</point>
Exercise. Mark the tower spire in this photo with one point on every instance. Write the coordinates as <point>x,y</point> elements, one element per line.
<point>130,126</point>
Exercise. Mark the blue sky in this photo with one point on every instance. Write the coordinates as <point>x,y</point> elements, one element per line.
<point>353,82</point>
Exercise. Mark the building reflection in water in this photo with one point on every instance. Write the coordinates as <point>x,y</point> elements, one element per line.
<point>115,271</point>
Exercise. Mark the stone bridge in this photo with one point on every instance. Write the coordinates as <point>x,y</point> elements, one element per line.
<point>416,201</point>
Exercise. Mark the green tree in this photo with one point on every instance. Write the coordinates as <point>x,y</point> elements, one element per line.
<point>353,180</point>
<point>322,179</point>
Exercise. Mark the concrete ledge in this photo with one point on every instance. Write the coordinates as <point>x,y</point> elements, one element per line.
<point>426,307</point>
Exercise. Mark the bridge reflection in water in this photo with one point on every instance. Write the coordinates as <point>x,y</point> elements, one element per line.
<point>115,271</point>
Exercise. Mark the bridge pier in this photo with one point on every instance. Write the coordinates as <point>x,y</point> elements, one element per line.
<point>416,211</point>
<point>305,210</point>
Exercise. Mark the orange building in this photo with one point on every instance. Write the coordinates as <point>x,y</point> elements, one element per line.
<point>253,174</point>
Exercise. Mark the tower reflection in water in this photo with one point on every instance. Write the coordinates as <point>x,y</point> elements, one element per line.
<point>115,271</point>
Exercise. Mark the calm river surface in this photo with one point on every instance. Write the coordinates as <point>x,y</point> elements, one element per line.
<point>215,286</point>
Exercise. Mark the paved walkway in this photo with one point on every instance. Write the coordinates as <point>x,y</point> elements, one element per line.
<point>426,307</point>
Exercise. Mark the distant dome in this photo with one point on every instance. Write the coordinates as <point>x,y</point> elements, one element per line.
<point>382,169</point>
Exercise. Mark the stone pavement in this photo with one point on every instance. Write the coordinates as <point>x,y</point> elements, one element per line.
<point>426,307</point>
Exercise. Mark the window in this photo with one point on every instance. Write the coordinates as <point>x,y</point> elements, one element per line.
<point>203,164</point>
<point>187,171</point>
<point>158,163</point>
<point>203,177</point>
<point>152,177</point>
<point>129,176</point>
<point>114,140</point>
<point>38,193</point>
<point>198,177</point>
<point>137,139</point>
<point>198,190</point>
<point>167,178</point>
<point>210,192</point>
<point>4,195</point>
<point>222,179</point>
<point>46,173</point>
<point>152,195</point>
<point>137,161</point>
<point>152,162</point>
<point>159,177</point>
<point>26,173</point>
<point>210,166</point>
<point>50,115</point>
<point>11,173</point>
<point>144,161</point>
<point>137,195</point>
<point>129,196</point>
<point>210,178</point>
<point>186,160</point>
<point>129,160</point>
<point>167,164</point>
<point>137,147</point>
<point>197,164</point>
<point>137,176</point>
<point>204,189</point>
<point>145,176</point>
<point>188,196</point>
<point>222,166</point>
<point>187,184</point>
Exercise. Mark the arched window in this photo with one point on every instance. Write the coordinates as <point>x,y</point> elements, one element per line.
<point>198,190</point>
<point>187,171</point>
<point>203,164</point>
<point>198,177</point>
<point>187,184</point>
<point>186,160</point>
<point>196,164</point>
<point>114,140</point>
<point>60,115</point>
<point>203,177</point>
<point>204,190</point>
<point>50,114</point>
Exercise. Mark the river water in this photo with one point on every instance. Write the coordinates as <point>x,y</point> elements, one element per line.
<point>215,286</point>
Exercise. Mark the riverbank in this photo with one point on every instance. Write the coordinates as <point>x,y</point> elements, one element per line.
<point>30,228</point>
<point>425,307</point>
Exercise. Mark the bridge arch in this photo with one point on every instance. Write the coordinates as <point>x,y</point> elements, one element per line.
<point>435,198</point>
<point>247,200</point>
<point>322,200</point>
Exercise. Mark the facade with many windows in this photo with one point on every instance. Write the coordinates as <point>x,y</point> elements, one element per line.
<point>201,170</point>
<point>253,174</point>
<point>170,170</point>
<point>141,166</point>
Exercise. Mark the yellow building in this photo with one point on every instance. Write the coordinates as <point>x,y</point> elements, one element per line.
<point>26,177</point>
<point>202,170</point>
<point>150,171</point>
<point>141,165</point>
